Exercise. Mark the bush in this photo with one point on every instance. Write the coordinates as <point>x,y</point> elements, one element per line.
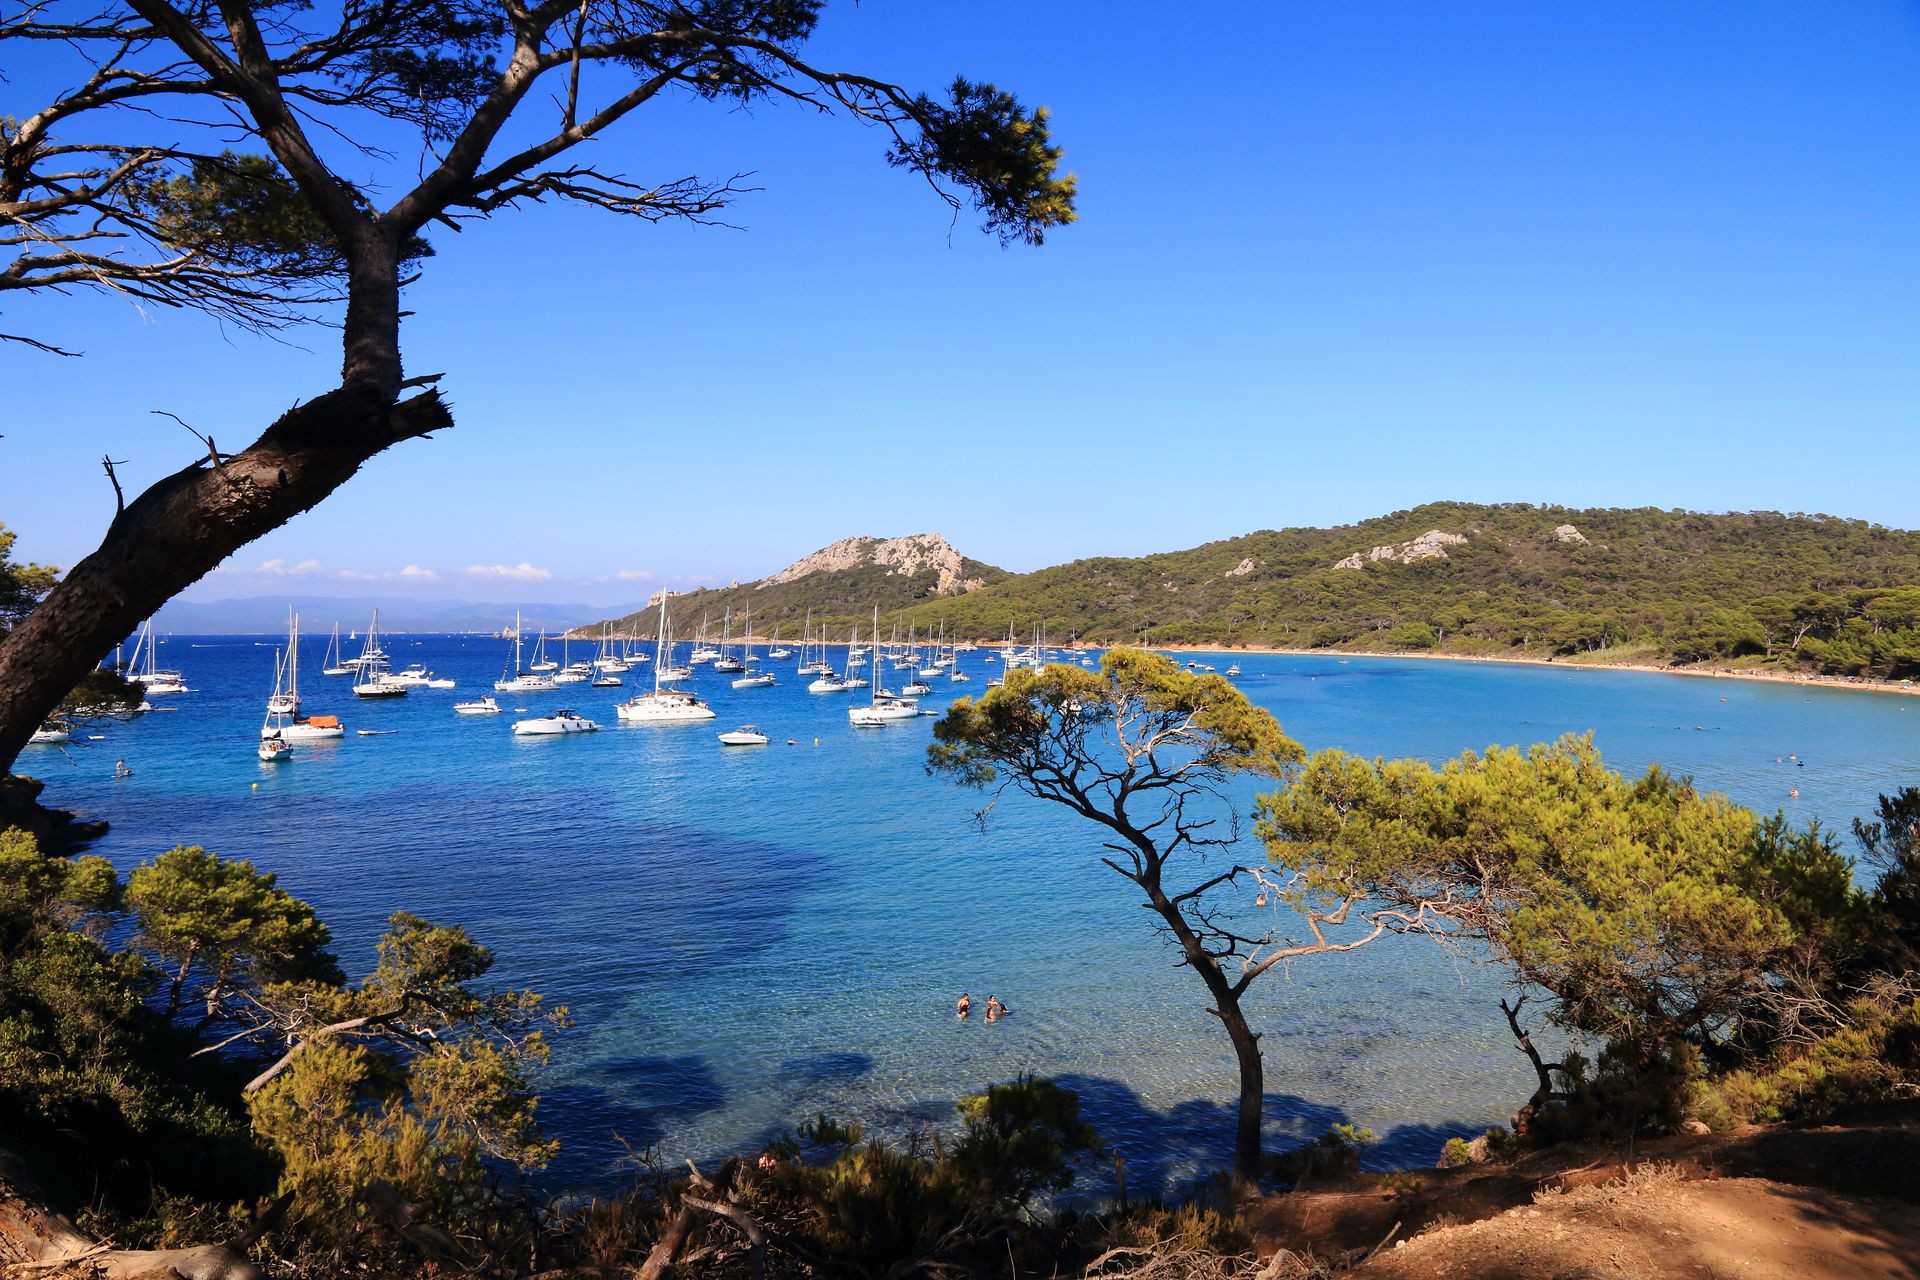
<point>1334,1154</point>
<point>1864,1062</point>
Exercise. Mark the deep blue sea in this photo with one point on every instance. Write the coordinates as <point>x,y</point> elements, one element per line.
<point>749,936</point>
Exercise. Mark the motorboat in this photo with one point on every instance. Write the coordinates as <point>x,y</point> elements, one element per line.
<point>746,735</point>
<point>551,725</point>
<point>1234,670</point>
<point>917,689</point>
<point>416,675</point>
<point>51,732</point>
<point>663,706</point>
<point>481,706</point>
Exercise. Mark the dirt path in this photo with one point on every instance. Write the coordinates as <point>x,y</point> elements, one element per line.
<point>1658,1225</point>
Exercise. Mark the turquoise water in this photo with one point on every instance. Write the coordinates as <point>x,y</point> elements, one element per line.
<point>749,936</point>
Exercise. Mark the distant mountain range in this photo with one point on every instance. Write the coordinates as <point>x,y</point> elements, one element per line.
<point>267,615</point>
<point>1809,591</point>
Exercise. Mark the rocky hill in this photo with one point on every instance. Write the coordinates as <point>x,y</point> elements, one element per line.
<point>1808,591</point>
<point>841,583</point>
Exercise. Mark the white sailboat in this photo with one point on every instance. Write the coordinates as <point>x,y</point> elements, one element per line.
<point>760,679</point>
<point>541,663</point>
<point>333,663</point>
<point>779,652</point>
<point>606,659</point>
<point>829,682</point>
<point>151,677</point>
<point>522,679</point>
<point>882,706</point>
<point>371,678</point>
<point>727,663</point>
<point>274,747</point>
<point>299,728</point>
<point>663,706</point>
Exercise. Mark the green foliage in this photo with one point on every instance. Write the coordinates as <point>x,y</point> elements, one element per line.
<point>1334,1154</point>
<point>92,1083</point>
<point>1038,717</point>
<point>1642,905</point>
<point>1634,1088</point>
<point>981,139</point>
<point>103,692</point>
<point>1019,1140</point>
<point>226,925</point>
<point>21,585</point>
<point>1891,840</point>
<point>1456,1154</point>
<point>1873,1057</point>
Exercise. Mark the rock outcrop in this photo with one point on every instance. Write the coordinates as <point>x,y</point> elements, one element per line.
<point>1567,533</point>
<point>910,556</point>
<point>1242,569</point>
<point>1431,545</point>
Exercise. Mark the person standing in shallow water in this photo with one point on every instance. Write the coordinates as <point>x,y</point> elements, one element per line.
<point>995,1010</point>
<point>964,1005</point>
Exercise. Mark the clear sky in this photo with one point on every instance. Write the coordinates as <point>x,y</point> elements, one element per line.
<point>1333,260</point>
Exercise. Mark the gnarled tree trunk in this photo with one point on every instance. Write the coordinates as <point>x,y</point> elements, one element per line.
<point>181,528</point>
<point>35,1240</point>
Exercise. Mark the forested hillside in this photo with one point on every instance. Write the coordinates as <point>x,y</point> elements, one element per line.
<point>1812,591</point>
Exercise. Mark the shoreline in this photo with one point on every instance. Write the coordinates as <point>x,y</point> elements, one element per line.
<point>1708,673</point>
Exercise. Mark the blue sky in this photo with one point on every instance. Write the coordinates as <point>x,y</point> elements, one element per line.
<point>1333,260</point>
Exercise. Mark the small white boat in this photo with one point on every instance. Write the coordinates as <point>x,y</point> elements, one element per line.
<point>606,680</point>
<point>746,735</point>
<point>758,680</point>
<point>483,706</point>
<point>667,674</point>
<point>50,732</point>
<point>1234,670</point>
<point>958,676</point>
<point>416,675</point>
<point>439,682</point>
<point>918,689</point>
<point>558,723</point>
<point>276,750</point>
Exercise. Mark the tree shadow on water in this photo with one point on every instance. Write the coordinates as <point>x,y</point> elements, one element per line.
<point>1171,1154</point>
<point>625,1103</point>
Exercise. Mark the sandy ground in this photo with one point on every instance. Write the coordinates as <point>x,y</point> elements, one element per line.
<point>1712,673</point>
<point>1655,1227</point>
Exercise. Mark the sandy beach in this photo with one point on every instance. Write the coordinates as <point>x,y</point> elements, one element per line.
<point>1712,673</point>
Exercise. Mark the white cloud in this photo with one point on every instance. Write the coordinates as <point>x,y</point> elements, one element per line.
<point>633,575</point>
<point>417,574</point>
<point>522,572</point>
<point>278,568</point>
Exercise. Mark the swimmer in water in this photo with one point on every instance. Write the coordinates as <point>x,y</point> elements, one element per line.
<point>995,1010</point>
<point>964,1005</point>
